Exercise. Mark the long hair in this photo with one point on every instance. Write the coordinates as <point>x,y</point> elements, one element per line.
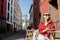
<point>42,19</point>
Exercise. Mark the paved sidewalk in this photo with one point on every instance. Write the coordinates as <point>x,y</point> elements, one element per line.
<point>20,35</point>
<point>15,37</point>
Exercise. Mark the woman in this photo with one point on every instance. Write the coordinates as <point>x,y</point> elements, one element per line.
<point>44,27</point>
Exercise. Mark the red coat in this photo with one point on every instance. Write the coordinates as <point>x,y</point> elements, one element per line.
<point>41,27</point>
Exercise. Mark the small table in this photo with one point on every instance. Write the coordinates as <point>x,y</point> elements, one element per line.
<point>53,33</point>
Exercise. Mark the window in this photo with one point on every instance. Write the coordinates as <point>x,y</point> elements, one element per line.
<point>8,6</point>
<point>11,2</point>
<point>15,11</point>
<point>54,3</point>
<point>8,0</point>
<point>11,19</point>
<point>14,17</point>
<point>7,16</point>
<point>11,10</point>
<point>34,19</point>
<point>39,15</point>
<point>1,9</point>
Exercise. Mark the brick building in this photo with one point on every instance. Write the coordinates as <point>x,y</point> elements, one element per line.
<point>2,15</point>
<point>37,13</point>
<point>59,8</point>
<point>3,9</point>
<point>46,6</point>
<point>6,15</point>
<point>9,13</point>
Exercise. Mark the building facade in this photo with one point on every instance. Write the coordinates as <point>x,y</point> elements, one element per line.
<point>17,16</point>
<point>3,15</point>
<point>6,15</point>
<point>46,6</point>
<point>37,14</point>
<point>31,16</point>
<point>9,15</point>
<point>58,8</point>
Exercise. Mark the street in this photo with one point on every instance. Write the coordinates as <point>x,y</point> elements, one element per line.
<point>29,19</point>
<point>17,36</point>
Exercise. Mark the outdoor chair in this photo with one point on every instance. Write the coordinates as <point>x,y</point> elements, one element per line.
<point>29,33</point>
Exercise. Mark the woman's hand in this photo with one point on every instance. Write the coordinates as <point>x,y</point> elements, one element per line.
<point>46,29</point>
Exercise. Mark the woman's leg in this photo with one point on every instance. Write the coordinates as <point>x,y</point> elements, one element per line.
<point>46,38</point>
<point>35,34</point>
<point>41,37</point>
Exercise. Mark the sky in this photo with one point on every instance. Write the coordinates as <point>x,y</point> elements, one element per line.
<point>25,6</point>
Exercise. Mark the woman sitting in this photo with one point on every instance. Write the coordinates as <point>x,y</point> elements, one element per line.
<point>44,28</point>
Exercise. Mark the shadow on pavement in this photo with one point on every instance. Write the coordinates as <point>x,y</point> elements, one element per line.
<point>20,35</point>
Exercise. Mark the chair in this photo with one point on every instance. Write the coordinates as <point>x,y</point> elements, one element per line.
<point>29,34</point>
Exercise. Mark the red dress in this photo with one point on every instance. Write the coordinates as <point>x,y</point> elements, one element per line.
<point>41,27</point>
